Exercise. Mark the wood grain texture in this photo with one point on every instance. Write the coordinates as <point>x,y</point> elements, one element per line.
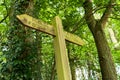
<point>49,29</point>
<point>61,56</point>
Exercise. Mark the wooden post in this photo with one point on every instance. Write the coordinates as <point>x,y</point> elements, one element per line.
<point>46,28</point>
<point>61,56</point>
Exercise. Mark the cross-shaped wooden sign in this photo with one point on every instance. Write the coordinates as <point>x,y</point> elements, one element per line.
<point>56,30</point>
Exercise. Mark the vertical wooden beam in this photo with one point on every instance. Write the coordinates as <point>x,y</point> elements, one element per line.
<point>61,56</point>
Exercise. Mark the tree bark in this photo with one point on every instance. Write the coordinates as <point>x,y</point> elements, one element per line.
<point>21,42</point>
<point>89,65</point>
<point>73,71</point>
<point>105,58</point>
<point>38,65</point>
<point>53,71</point>
<point>72,64</point>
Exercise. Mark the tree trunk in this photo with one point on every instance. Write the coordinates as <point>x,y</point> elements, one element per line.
<point>38,65</point>
<point>89,65</point>
<point>105,58</point>
<point>72,64</point>
<point>21,42</point>
<point>37,68</point>
<point>73,72</point>
<point>53,71</point>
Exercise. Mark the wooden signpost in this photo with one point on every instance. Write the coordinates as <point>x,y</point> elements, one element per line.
<point>56,30</point>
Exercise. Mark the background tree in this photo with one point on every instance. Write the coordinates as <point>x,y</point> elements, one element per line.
<point>105,58</point>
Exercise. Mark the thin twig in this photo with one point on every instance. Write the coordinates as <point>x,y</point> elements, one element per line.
<point>81,22</point>
<point>4,18</point>
<point>7,12</point>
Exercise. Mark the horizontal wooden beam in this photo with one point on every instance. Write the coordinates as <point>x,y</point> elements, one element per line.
<point>49,29</point>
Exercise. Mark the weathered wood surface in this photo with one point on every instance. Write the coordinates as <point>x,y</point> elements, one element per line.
<point>49,29</point>
<point>61,56</point>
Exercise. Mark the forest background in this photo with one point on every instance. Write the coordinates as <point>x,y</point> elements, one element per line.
<point>27,54</point>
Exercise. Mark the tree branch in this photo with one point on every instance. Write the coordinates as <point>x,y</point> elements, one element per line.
<point>4,19</point>
<point>107,12</point>
<point>79,23</point>
<point>7,12</point>
<point>99,8</point>
<point>89,14</point>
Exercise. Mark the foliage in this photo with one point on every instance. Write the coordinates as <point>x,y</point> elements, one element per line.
<point>13,35</point>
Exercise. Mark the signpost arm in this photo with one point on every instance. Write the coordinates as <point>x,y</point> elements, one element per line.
<point>62,62</point>
<point>61,56</point>
<point>44,27</point>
